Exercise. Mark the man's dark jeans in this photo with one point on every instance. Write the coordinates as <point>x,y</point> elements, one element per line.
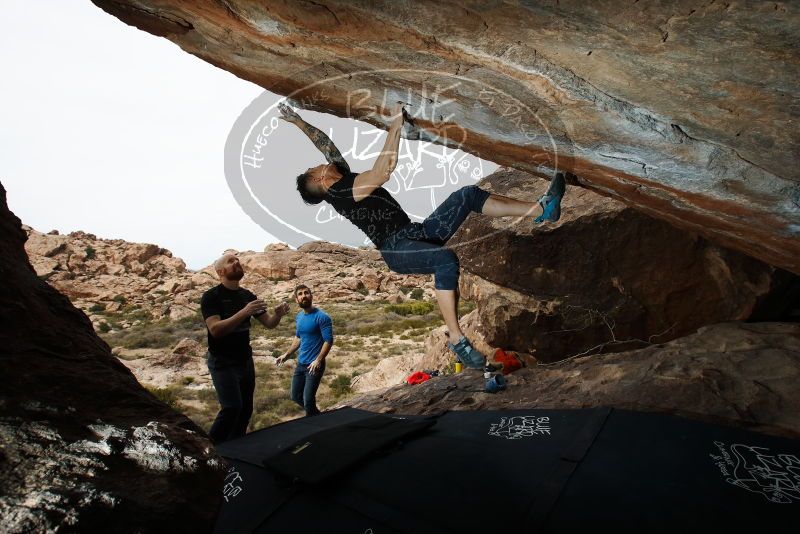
<point>417,247</point>
<point>235,385</point>
<point>304,387</point>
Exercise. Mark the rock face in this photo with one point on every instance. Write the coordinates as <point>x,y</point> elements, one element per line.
<point>687,112</point>
<point>438,356</point>
<point>745,373</point>
<point>83,446</point>
<point>111,275</point>
<point>605,277</point>
<point>392,371</point>
<point>109,278</point>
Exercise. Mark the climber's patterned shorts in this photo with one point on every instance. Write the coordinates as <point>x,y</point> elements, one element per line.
<point>418,247</point>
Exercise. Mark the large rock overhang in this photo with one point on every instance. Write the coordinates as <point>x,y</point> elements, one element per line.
<point>685,112</point>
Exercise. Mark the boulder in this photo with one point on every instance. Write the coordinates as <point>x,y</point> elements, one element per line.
<point>274,265</point>
<point>190,347</point>
<point>744,374</point>
<point>84,446</point>
<point>82,266</point>
<point>351,283</point>
<point>604,277</point>
<point>396,298</point>
<point>438,356</point>
<point>683,110</point>
<point>276,247</point>
<point>371,279</point>
<point>389,372</point>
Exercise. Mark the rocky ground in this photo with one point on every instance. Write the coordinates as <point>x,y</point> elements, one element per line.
<point>736,373</point>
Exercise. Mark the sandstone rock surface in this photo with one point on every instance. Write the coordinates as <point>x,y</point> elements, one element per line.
<point>84,446</point>
<point>686,111</point>
<point>117,282</point>
<point>604,277</point>
<point>388,372</point>
<point>742,373</point>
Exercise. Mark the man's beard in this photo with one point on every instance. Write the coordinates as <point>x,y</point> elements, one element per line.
<point>305,303</point>
<point>237,274</point>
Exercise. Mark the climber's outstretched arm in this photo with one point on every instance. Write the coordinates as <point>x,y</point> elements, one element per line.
<point>320,140</point>
<point>368,181</point>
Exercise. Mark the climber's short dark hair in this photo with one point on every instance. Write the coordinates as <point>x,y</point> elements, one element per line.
<point>302,187</point>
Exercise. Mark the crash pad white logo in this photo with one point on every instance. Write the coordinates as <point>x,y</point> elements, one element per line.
<point>521,426</point>
<point>233,485</point>
<point>775,476</point>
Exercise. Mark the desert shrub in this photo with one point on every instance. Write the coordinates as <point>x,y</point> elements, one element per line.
<point>104,327</point>
<point>207,395</point>
<point>286,407</point>
<point>119,298</point>
<point>163,333</point>
<point>417,293</point>
<point>466,306</point>
<point>167,395</point>
<point>263,420</point>
<point>418,322</point>
<point>134,313</point>
<point>97,308</point>
<point>371,329</point>
<point>186,380</point>
<point>340,385</point>
<point>410,308</point>
<point>265,399</point>
<point>146,340</point>
<point>90,252</point>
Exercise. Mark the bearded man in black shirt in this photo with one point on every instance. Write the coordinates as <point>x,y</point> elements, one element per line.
<point>227,309</point>
<point>405,246</point>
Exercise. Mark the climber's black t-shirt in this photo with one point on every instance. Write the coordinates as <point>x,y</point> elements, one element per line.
<point>234,347</point>
<point>379,215</point>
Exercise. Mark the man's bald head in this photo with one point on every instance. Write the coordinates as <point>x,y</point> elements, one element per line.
<point>228,266</point>
<point>220,262</point>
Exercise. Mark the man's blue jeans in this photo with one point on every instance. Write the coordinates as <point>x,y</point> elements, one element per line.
<point>235,385</point>
<point>417,247</point>
<point>304,387</point>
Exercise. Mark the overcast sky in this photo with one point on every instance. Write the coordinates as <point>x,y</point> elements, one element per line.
<point>119,133</point>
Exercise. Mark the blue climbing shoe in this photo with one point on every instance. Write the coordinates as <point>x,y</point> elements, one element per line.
<point>551,200</point>
<point>467,354</point>
<point>495,384</point>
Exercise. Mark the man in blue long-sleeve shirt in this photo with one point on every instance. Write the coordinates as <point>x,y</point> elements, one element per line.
<point>314,338</point>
